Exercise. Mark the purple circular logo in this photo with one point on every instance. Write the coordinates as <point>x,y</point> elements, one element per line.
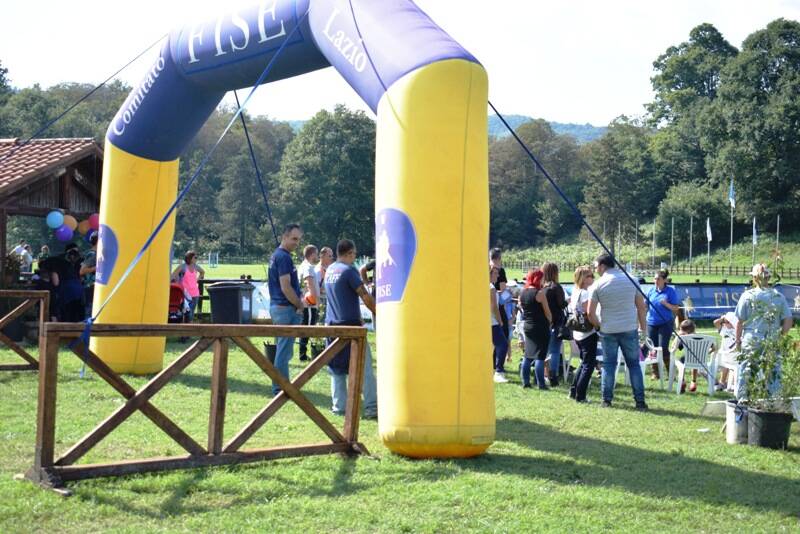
<point>107,251</point>
<point>395,248</point>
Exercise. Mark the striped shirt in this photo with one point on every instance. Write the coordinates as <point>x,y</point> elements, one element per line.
<point>616,298</point>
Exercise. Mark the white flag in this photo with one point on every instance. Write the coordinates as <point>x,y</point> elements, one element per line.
<point>755,233</point>
<point>708,228</point>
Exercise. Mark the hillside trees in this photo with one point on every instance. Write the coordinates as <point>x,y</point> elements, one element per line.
<point>525,208</point>
<point>622,185</point>
<point>326,180</point>
<point>753,132</point>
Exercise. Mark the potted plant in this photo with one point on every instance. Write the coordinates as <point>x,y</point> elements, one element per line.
<point>772,380</point>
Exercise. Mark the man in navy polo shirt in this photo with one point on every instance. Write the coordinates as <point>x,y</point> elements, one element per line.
<point>344,286</point>
<point>285,304</point>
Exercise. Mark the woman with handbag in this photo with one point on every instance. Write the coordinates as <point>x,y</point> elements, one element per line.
<point>583,333</point>
<point>557,301</point>
<point>536,324</point>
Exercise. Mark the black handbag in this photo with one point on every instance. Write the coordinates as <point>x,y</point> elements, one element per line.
<point>564,333</point>
<point>579,322</point>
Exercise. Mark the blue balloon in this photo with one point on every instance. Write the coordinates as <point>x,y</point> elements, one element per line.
<point>55,219</point>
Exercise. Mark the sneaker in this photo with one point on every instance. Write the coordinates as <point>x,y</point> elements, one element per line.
<point>584,401</point>
<point>303,358</point>
<point>693,386</point>
<point>526,386</point>
<point>641,407</point>
<point>337,412</point>
<point>500,378</point>
<point>571,394</point>
<point>544,388</point>
<point>605,404</point>
<point>371,415</point>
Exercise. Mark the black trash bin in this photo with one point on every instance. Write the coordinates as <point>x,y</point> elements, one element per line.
<point>231,302</point>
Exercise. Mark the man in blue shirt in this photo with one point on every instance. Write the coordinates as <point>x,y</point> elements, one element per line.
<point>285,304</point>
<point>344,286</point>
<point>664,303</point>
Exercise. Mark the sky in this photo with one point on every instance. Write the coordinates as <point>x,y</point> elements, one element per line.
<point>580,61</point>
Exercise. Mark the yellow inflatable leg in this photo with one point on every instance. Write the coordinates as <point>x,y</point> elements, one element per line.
<point>435,388</point>
<point>136,193</point>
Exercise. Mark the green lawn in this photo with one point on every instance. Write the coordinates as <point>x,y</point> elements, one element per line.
<point>555,466</point>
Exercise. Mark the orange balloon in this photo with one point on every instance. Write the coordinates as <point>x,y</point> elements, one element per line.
<point>309,298</point>
<point>71,221</point>
<point>83,227</point>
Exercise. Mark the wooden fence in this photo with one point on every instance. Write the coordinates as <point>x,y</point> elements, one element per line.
<point>686,269</point>
<point>52,472</point>
<point>32,298</point>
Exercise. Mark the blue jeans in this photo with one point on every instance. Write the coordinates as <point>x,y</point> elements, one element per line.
<point>629,343</point>
<point>554,351</point>
<point>369,388</point>
<point>285,315</point>
<point>660,335</point>
<point>500,342</point>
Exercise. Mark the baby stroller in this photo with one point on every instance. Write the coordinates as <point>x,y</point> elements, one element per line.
<point>178,307</point>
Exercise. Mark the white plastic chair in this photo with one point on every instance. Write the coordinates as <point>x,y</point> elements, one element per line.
<point>656,359</point>
<point>699,352</point>
<point>622,368</point>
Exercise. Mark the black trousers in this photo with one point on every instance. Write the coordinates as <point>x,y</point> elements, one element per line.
<point>310,318</point>
<point>588,352</point>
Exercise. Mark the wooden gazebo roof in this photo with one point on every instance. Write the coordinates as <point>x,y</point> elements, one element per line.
<point>47,174</point>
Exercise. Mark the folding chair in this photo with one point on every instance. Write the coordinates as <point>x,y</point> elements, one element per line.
<point>699,353</point>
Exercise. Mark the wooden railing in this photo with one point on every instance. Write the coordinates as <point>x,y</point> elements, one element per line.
<point>32,298</point>
<point>53,472</point>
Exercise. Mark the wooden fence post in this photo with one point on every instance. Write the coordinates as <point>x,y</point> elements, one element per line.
<point>219,391</point>
<point>354,385</point>
<point>46,410</point>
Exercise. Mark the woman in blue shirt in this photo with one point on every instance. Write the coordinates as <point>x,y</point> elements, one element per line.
<point>664,304</point>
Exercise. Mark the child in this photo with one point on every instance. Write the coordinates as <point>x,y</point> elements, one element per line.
<point>726,326</point>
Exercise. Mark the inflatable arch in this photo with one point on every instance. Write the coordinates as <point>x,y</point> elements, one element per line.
<point>436,394</point>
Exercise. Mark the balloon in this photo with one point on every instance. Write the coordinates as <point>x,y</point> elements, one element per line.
<point>55,219</point>
<point>70,221</point>
<point>310,299</point>
<point>94,221</point>
<point>83,227</point>
<point>63,233</point>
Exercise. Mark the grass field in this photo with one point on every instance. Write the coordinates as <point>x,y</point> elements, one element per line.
<point>257,272</point>
<point>555,466</point>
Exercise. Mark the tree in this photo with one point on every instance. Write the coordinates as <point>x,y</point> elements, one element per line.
<point>689,73</point>
<point>525,208</point>
<point>5,85</point>
<point>753,127</point>
<point>326,179</point>
<point>686,82</point>
<point>622,185</point>
<point>686,201</point>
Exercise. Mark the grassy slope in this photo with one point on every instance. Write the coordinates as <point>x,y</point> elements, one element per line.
<point>554,466</point>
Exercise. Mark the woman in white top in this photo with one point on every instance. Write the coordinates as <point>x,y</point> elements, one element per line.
<point>586,341</point>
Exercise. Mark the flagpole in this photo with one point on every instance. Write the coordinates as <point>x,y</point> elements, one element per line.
<point>778,234</point>
<point>636,246</point>
<point>730,247</point>
<point>672,245</point>
<point>708,240</point>
<point>691,229</point>
<point>754,241</point>
<point>654,243</point>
